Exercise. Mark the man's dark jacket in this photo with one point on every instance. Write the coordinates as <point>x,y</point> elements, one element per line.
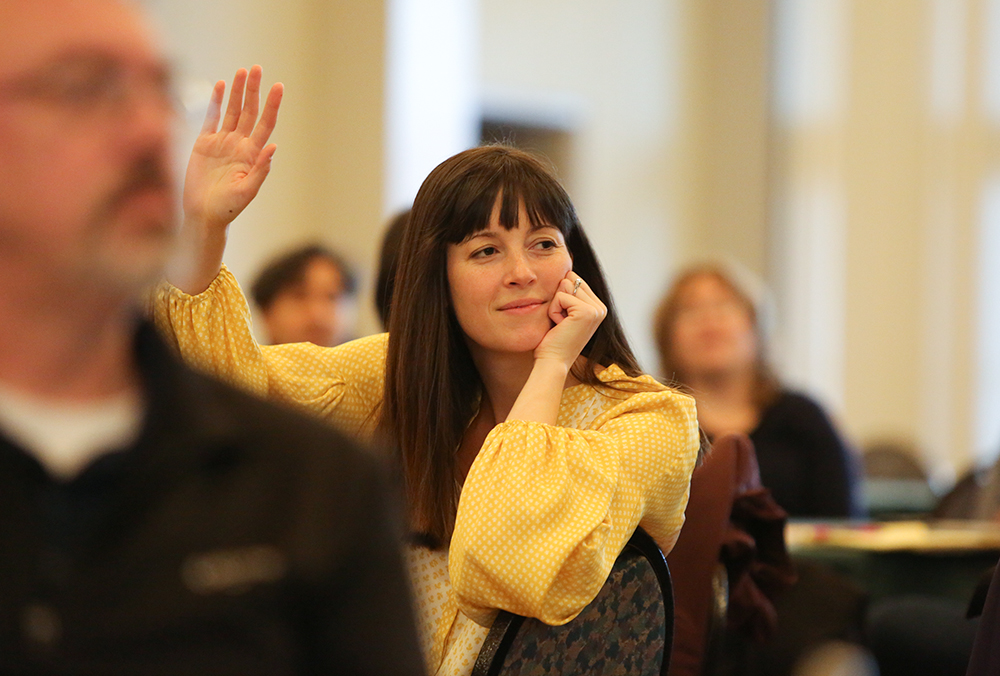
<point>233,537</point>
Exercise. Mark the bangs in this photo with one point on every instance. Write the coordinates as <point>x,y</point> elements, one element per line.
<point>514,180</point>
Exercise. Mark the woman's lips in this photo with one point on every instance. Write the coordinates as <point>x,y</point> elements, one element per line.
<point>523,306</point>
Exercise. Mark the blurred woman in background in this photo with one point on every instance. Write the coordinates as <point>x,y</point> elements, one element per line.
<point>708,331</point>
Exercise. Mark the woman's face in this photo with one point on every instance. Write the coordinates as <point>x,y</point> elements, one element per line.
<point>713,333</point>
<point>502,282</point>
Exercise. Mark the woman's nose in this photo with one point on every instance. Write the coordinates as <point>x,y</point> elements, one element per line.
<point>520,272</point>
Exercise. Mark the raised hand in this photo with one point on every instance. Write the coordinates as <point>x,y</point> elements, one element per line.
<point>227,167</point>
<point>229,163</point>
<point>577,313</point>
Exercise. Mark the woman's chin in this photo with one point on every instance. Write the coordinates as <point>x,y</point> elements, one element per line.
<point>529,343</point>
<point>524,345</point>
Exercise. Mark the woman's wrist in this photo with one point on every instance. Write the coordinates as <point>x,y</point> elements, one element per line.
<point>200,253</point>
<point>540,397</point>
<point>552,370</point>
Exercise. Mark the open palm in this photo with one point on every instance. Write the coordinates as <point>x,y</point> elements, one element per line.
<point>229,163</point>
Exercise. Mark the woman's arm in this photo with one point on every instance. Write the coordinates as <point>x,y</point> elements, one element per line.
<point>228,165</point>
<point>546,510</point>
<point>206,316</point>
<point>212,332</point>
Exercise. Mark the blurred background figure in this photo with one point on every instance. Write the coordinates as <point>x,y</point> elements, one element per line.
<point>307,295</point>
<point>385,279</point>
<point>708,331</point>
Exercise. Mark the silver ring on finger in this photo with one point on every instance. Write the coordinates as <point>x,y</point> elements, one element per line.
<point>576,285</point>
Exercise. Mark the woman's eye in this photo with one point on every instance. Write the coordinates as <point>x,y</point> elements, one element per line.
<point>545,244</point>
<point>485,252</point>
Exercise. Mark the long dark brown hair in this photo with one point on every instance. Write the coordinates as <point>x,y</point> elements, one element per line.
<point>432,387</point>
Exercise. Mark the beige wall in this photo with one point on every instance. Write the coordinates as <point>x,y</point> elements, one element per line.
<point>887,175</point>
<point>722,186</point>
<point>902,150</point>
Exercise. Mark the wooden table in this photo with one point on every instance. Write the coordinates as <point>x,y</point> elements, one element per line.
<point>945,558</point>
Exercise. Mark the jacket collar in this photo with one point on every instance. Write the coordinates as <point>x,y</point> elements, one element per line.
<point>185,423</point>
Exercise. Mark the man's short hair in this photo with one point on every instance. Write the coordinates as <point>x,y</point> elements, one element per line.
<point>288,270</point>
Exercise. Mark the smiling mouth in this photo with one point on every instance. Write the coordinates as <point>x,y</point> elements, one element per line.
<point>522,306</point>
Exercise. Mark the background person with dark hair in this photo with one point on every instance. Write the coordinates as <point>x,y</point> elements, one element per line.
<point>388,261</point>
<point>307,295</point>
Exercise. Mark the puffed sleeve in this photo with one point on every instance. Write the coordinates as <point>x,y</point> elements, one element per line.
<point>546,510</point>
<point>212,332</point>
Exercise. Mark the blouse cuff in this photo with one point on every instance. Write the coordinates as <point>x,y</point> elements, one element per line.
<point>214,290</point>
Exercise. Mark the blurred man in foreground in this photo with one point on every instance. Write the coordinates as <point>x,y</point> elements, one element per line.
<point>152,520</point>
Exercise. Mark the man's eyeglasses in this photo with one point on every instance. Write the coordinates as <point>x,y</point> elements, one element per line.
<point>91,86</point>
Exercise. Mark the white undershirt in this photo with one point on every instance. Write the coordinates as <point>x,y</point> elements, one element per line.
<point>66,438</point>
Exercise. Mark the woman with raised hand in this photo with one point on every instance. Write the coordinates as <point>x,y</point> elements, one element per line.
<point>529,443</point>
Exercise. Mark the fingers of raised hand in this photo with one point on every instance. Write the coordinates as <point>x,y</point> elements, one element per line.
<point>251,102</point>
<point>241,114</point>
<point>259,171</point>
<point>214,108</point>
<point>235,106</point>
<point>262,132</point>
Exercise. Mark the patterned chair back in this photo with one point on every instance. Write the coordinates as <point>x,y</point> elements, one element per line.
<point>627,630</point>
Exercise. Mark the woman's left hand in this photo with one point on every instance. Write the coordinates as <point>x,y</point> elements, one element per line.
<point>230,162</point>
<point>577,313</point>
<point>227,167</point>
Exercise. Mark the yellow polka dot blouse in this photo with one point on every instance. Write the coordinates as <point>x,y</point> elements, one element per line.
<point>544,511</point>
